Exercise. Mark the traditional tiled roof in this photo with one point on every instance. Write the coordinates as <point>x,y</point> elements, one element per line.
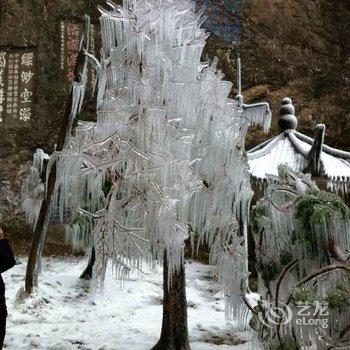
<point>300,153</point>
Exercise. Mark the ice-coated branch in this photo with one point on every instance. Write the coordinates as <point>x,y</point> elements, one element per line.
<point>313,232</point>
<point>33,187</point>
<point>73,107</point>
<point>320,273</point>
<point>282,276</point>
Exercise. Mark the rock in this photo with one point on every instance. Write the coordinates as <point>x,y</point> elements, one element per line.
<point>256,93</point>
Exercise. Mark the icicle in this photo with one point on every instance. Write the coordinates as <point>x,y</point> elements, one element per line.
<point>78,99</point>
<point>33,187</point>
<point>258,114</point>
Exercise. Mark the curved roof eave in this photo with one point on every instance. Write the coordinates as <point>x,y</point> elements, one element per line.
<point>332,151</point>
<point>264,147</point>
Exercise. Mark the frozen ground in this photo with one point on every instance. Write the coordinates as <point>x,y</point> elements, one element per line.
<point>66,313</point>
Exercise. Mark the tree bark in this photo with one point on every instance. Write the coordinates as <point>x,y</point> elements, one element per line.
<point>45,210</point>
<point>87,274</point>
<point>174,334</point>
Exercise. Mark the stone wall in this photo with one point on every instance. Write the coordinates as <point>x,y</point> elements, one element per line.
<point>35,24</point>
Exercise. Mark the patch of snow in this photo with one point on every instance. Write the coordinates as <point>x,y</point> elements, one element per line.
<point>66,313</point>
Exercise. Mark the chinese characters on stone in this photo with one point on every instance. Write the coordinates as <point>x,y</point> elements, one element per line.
<point>71,32</point>
<point>73,43</point>
<point>17,85</point>
<point>2,84</point>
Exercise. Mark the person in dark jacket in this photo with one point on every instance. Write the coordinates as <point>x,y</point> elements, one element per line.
<point>7,261</point>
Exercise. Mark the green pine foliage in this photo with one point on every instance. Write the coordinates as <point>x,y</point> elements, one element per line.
<point>317,207</point>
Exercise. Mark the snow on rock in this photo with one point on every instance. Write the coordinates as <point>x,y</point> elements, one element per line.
<point>66,313</point>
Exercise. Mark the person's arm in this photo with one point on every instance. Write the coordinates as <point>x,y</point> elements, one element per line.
<point>7,260</point>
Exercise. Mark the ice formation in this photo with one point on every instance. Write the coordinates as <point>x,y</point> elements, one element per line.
<point>164,160</point>
<point>33,187</point>
<point>258,114</point>
<point>307,230</point>
<point>167,142</point>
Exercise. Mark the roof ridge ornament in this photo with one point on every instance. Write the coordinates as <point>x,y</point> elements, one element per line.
<point>287,120</point>
<point>314,156</point>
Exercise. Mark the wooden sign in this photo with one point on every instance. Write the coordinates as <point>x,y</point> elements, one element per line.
<point>17,85</point>
<point>71,32</point>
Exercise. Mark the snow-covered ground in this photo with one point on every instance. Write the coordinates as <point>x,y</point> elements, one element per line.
<point>67,314</point>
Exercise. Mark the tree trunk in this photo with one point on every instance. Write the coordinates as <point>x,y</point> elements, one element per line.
<point>174,335</point>
<point>87,274</point>
<point>45,210</point>
<point>39,235</point>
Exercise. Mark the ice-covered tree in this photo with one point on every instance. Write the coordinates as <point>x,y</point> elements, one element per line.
<point>303,260</point>
<point>169,146</point>
<point>164,160</point>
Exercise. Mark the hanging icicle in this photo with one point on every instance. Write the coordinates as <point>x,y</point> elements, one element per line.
<point>33,187</point>
<point>258,114</point>
<point>78,91</point>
